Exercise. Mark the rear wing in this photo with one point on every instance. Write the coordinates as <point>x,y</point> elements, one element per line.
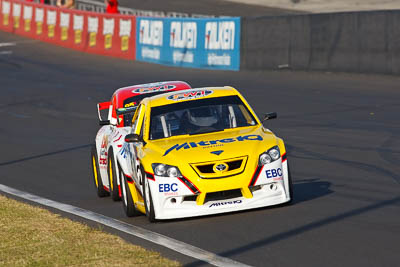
<point>102,106</point>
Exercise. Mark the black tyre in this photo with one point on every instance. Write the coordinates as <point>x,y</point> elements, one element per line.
<point>147,199</point>
<point>112,176</point>
<point>127,201</point>
<point>101,192</point>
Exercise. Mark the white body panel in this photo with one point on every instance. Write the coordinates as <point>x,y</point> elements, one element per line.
<point>168,193</point>
<point>109,137</point>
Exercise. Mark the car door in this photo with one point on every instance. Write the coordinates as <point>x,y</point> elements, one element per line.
<point>137,128</point>
<point>104,142</point>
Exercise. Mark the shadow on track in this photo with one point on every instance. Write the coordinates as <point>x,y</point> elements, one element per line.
<point>302,153</point>
<point>44,155</point>
<point>303,190</point>
<point>309,189</point>
<point>304,228</point>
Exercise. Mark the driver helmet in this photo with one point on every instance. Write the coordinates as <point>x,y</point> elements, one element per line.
<point>203,116</point>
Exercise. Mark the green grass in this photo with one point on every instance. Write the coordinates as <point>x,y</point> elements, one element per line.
<point>32,236</point>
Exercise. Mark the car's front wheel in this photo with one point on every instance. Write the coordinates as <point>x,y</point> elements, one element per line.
<point>101,192</point>
<point>148,201</point>
<point>112,176</point>
<point>127,201</point>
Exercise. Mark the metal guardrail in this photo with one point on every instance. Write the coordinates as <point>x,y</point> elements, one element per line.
<point>99,7</point>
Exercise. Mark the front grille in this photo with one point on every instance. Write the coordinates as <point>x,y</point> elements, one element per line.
<point>223,195</point>
<point>190,198</point>
<point>206,168</point>
<point>234,166</point>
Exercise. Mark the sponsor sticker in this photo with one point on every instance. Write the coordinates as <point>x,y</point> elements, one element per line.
<point>93,27</point>
<point>151,32</point>
<point>78,28</point>
<point>220,35</point>
<point>183,35</point>
<point>150,89</point>
<point>224,203</point>
<point>103,152</point>
<point>218,60</point>
<point>16,14</point>
<point>131,104</point>
<point>179,57</point>
<point>167,188</point>
<point>27,18</point>
<point>274,173</point>
<point>125,27</point>
<point>150,53</point>
<point>190,95</point>
<point>213,143</point>
<point>51,22</point>
<point>39,18</point>
<point>108,32</point>
<point>6,7</point>
<point>64,24</point>
<point>125,151</point>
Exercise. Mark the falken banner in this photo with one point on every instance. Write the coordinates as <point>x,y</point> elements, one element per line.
<point>212,43</point>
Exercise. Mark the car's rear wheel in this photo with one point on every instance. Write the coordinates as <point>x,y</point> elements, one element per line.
<point>112,176</point>
<point>127,201</point>
<point>148,201</point>
<point>101,192</point>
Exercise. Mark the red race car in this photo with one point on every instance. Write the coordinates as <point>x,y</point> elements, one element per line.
<point>110,137</point>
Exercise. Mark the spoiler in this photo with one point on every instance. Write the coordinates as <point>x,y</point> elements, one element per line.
<point>102,106</point>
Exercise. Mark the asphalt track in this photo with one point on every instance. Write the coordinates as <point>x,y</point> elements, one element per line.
<point>342,133</point>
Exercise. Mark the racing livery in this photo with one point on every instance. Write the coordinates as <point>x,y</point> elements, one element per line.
<point>110,137</point>
<point>198,152</point>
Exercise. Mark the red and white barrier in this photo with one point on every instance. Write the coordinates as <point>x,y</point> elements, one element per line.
<point>111,35</point>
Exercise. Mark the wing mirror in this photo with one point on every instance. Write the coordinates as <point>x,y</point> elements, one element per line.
<point>132,138</point>
<point>270,116</point>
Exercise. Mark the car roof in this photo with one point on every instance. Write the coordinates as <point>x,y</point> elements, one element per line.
<point>190,95</point>
<point>130,91</point>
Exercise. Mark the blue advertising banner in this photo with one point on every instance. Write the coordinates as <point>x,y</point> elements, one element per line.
<point>212,43</point>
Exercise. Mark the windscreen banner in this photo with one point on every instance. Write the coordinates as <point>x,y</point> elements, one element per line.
<point>111,35</point>
<point>212,43</point>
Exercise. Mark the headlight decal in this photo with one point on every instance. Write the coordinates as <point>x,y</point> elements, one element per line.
<point>284,157</point>
<point>255,175</point>
<point>150,176</point>
<point>189,185</point>
<point>128,178</point>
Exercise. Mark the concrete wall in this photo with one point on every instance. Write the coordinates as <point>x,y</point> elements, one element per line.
<point>350,42</point>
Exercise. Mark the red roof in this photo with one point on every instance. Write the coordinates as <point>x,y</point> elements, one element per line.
<point>129,91</point>
<point>124,93</point>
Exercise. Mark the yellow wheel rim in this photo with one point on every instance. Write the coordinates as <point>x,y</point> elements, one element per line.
<point>110,174</point>
<point>95,171</point>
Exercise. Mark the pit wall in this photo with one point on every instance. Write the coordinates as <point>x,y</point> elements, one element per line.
<point>189,42</point>
<point>366,42</point>
<point>96,33</point>
<point>212,43</point>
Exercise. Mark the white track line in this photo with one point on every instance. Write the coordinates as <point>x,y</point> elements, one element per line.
<point>154,237</point>
<point>8,44</point>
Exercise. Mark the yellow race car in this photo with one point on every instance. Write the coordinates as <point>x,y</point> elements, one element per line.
<point>199,152</point>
